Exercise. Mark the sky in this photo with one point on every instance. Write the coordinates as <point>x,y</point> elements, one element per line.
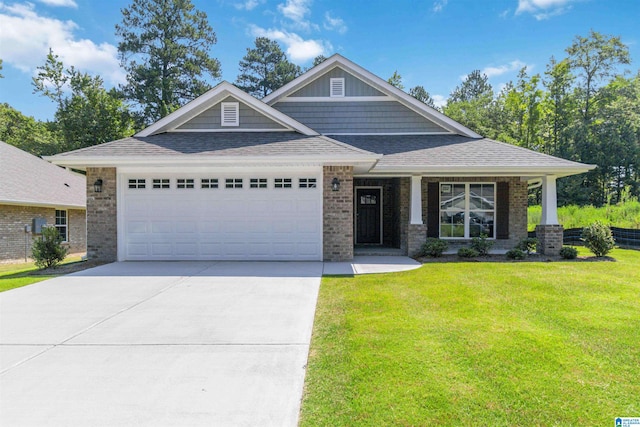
<point>433,43</point>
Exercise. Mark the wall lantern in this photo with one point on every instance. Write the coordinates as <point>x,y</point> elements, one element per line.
<point>97,186</point>
<point>335,184</point>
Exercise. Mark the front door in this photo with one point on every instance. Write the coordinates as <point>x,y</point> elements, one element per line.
<point>368,215</point>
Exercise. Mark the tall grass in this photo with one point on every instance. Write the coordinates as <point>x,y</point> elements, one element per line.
<point>625,215</point>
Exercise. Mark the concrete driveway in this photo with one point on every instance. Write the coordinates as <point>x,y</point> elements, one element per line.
<point>159,344</point>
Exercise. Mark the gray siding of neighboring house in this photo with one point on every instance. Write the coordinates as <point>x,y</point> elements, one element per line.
<point>249,119</point>
<point>352,85</point>
<point>358,117</point>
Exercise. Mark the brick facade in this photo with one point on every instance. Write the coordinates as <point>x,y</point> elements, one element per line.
<point>550,239</point>
<point>337,215</point>
<point>12,236</point>
<point>102,239</point>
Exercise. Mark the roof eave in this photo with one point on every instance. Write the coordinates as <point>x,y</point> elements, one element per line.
<point>461,171</point>
<point>42,204</point>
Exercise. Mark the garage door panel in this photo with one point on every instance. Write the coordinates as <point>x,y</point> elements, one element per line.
<point>222,223</point>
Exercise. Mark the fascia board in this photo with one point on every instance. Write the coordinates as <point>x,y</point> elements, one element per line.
<point>41,204</point>
<point>485,171</point>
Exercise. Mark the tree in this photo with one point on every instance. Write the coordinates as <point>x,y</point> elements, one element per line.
<point>558,106</point>
<point>318,60</point>
<point>471,104</point>
<point>265,68</point>
<point>87,114</point>
<point>396,80</point>
<point>164,47</point>
<point>27,133</point>
<point>475,86</point>
<point>420,93</point>
<point>1,76</point>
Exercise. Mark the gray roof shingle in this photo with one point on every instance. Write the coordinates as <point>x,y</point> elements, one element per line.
<point>29,180</point>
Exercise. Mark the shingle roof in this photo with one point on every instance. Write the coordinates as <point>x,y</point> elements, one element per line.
<point>29,180</point>
<point>220,144</point>
<point>451,151</point>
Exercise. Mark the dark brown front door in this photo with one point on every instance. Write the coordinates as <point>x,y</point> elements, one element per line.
<point>368,210</point>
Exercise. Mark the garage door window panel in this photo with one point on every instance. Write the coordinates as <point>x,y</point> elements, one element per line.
<point>258,183</point>
<point>161,183</point>
<point>307,183</point>
<point>283,182</point>
<point>209,183</point>
<point>233,183</point>
<point>184,183</point>
<point>137,183</point>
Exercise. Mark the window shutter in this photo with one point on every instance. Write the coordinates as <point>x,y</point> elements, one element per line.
<point>433,209</point>
<point>502,210</point>
<point>337,88</point>
<point>230,114</point>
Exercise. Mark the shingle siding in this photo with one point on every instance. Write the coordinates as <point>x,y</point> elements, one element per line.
<point>353,86</point>
<point>357,117</point>
<point>248,118</point>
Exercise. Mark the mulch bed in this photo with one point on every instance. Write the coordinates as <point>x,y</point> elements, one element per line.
<point>72,267</point>
<point>503,258</point>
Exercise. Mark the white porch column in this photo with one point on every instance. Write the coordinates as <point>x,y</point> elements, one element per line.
<point>416,200</point>
<point>549,201</point>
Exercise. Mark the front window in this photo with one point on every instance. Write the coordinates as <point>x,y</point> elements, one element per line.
<point>61,224</point>
<point>467,210</point>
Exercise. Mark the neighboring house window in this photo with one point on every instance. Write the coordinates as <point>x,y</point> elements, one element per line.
<point>61,224</point>
<point>161,183</point>
<point>467,210</point>
<point>307,183</point>
<point>233,183</point>
<point>258,183</point>
<point>336,87</point>
<point>137,183</point>
<point>185,183</point>
<point>283,182</point>
<point>209,183</point>
<point>230,114</point>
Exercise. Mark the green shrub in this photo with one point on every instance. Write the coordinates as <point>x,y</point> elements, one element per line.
<point>528,245</point>
<point>482,245</point>
<point>568,252</point>
<point>516,253</point>
<point>434,247</point>
<point>48,251</point>
<point>467,253</point>
<point>598,238</point>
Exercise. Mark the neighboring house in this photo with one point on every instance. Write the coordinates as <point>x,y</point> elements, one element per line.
<point>33,188</point>
<point>335,159</point>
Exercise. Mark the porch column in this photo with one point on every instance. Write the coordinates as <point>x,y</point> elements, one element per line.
<point>549,201</point>
<point>416,200</point>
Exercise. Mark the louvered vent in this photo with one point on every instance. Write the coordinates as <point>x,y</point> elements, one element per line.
<point>337,87</point>
<point>230,114</point>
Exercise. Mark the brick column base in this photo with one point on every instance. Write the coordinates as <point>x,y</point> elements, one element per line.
<point>416,236</point>
<point>549,239</point>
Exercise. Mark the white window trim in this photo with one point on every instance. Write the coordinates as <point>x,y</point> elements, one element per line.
<point>338,81</point>
<point>228,108</point>
<point>65,225</point>
<point>467,209</point>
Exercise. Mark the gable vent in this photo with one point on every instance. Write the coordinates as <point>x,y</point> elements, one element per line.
<point>337,87</point>
<point>230,114</point>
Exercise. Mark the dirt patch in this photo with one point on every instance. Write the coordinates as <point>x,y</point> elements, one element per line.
<point>503,258</point>
<point>72,267</point>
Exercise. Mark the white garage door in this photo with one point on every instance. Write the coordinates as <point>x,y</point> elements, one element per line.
<point>186,216</point>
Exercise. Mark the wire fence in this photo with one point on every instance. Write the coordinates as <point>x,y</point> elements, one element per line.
<point>625,237</point>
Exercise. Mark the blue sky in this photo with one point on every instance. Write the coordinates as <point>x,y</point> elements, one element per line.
<point>433,43</point>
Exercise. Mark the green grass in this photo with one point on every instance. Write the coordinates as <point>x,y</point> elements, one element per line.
<point>495,344</point>
<point>17,275</point>
<point>625,215</point>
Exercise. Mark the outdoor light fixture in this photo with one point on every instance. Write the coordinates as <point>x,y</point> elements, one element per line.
<point>97,186</point>
<point>335,184</point>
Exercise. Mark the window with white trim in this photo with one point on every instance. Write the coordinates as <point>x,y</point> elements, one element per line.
<point>307,183</point>
<point>137,183</point>
<point>283,183</point>
<point>336,87</point>
<point>233,183</point>
<point>185,183</point>
<point>467,210</point>
<point>61,224</point>
<point>230,114</point>
<point>209,183</point>
<point>161,183</point>
<point>258,183</point>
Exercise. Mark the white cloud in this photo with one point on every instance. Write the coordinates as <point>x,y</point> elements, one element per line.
<point>438,5</point>
<point>543,9</point>
<point>61,3</point>
<point>298,49</point>
<point>439,100</point>
<point>26,38</point>
<point>296,11</point>
<point>334,24</point>
<point>248,4</point>
<point>505,68</point>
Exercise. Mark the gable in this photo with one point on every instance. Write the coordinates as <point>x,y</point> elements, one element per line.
<point>320,87</point>
<point>248,119</point>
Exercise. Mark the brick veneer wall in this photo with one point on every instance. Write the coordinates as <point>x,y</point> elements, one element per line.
<point>550,239</point>
<point>12,235</point>
<point>337,215</point>
<point>102,225</point>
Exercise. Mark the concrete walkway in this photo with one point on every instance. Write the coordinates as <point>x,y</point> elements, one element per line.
<point>370,264</point>
<point>159,344</point>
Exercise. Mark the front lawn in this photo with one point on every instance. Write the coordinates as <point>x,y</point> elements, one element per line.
<point>17,275</point>
<point>499,344</point>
